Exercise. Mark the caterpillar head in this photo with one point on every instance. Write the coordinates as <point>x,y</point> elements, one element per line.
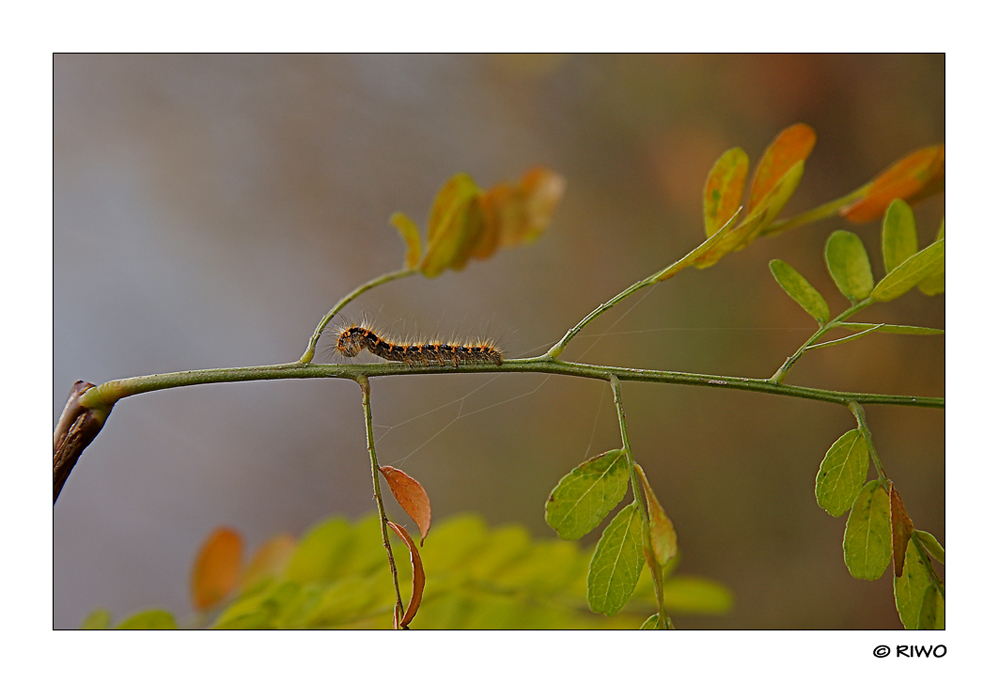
<point>351,341</point>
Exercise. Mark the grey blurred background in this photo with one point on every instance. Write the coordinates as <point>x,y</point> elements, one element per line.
<point>209,209</point>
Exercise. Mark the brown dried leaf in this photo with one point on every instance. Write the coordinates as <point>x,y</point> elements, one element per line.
<point>411,496</point>
<point>216,568</point>
<point>661,532</point>
<point>901,529</point>
<point>419,577</point>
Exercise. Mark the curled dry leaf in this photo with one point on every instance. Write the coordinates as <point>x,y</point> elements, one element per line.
<point>661,532</point>
<point>216,569</point>
<point>419,577</point>
<point>411,496</point>
<point>901,529</point>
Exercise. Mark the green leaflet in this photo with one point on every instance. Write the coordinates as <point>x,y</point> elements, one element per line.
<point>617,562</point>
<point>898,235</point>
<point>587,494</point>
<point>911,591</point>
<point>867,540</point>
<point>931,613</point>
<point>842,473</point>
<point>931,544</point>
<point>892,329</point>
<point>848,265</point>
<point>800,290</point>
<point>921,265</point>
<point>934,284</point>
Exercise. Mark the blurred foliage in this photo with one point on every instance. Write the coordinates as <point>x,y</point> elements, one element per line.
<point>477,577</point>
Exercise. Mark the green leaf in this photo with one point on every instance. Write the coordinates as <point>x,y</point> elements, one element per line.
<point>800,290</point>
<point>410,235</point>
<point>587,494</point>
<point>898,234</point>
<point>848,265</point>
<point>923,264</point>
<point>320,552</point>
<point>934,284</point>
<point>894,329</point>
<point>867,541</point>
<point>690,594</point>
<point>149,619</point>
<point>617,562</point>
<point>911,586</point>
<point>842,473</point>
<point>99,619</point>
<point>931,544</point>
<point>931,613</point>
<point>723,189</point>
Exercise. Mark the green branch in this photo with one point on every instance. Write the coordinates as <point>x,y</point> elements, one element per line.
<point>104,396</point>
<point>310,349</point>
<point>366,404</point>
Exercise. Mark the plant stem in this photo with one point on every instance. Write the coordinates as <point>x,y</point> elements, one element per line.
<point>641,501</point>
<point>105,395</point>
<point>658,277</point>
<point>823,211</point>
<point>366,403</point>
<point>782,372</point>
<point>310,349</point>
<point>858,412</point>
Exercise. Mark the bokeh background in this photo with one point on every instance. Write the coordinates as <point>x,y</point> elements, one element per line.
<point>209,209</point>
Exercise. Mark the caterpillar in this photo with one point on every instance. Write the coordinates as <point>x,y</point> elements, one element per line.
<point>352,339</point>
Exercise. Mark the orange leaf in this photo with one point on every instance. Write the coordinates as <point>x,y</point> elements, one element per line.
<point>723,189</point>
<point>519,214</point>
<point>912,178</point>
<point>901,529</point>
<point>270,559</point>
<point>791,146</point>
<point>216,568</point>
<point>411,496</point>
<point>419,577</point>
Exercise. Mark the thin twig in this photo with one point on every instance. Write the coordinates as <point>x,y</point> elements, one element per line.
<point>366,403</point>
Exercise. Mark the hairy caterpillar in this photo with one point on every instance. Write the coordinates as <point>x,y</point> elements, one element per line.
<point>352,339</point>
